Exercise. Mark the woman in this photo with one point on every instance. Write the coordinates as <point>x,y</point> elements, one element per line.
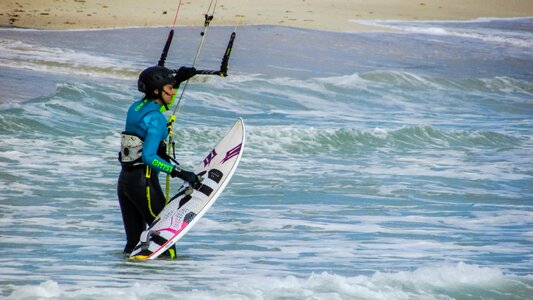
<point>143,152</point>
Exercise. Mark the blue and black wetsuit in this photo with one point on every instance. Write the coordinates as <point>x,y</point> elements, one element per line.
<point>139,191</point>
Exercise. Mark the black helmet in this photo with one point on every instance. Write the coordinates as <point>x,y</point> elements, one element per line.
<point>154,78</point>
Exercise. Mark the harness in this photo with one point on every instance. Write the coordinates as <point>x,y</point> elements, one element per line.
<point>131,148</point>
<point>130,157</point>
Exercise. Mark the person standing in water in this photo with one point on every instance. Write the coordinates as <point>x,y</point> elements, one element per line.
<point>144,152</point>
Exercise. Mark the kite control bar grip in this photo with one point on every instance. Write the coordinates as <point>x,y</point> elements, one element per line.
<point>206,72</point>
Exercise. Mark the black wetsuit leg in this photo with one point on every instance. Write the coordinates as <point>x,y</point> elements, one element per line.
<point>136,210</point>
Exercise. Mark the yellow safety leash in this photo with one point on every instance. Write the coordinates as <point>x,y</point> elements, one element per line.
<point>148,176</point>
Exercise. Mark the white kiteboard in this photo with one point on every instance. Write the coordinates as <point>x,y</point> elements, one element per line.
<point>180,215</point>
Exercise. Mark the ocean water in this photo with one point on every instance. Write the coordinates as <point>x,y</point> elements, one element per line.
<point>383,165</point>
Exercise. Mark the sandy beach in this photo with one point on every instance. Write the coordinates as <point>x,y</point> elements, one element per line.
<point>331,15</point>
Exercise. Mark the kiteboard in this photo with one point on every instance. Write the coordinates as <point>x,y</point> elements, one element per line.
<point>190,204</point>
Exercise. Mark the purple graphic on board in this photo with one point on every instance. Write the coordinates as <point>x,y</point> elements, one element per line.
<point>231,153</point>
<point>209,158</point>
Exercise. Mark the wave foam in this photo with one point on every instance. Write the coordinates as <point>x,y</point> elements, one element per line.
<point>442,28</point>
<point>437,282</point>
<point>21,55</point>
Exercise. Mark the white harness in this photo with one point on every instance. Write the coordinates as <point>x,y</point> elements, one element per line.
<point>131,147</point>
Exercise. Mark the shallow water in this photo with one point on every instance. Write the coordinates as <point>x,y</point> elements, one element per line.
<point>377,166</point>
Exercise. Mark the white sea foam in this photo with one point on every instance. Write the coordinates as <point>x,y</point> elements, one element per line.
<point>437,282</point>
<point>23,55</point>
<point>430,28</point>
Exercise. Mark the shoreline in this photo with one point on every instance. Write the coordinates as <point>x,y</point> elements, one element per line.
<point>335,15</point>
<point>367,27</point>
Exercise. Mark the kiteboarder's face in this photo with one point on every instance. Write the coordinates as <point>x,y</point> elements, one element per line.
<point>168,93</point>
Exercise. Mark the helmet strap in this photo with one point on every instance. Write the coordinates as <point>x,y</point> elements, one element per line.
<point>159,96</point>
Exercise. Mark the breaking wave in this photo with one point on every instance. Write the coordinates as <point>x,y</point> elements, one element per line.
<point>439,282</point>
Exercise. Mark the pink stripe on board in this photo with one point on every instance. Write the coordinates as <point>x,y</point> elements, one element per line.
<point>174,231</point>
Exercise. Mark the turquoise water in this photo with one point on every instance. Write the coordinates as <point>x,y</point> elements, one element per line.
<point>390,165</point>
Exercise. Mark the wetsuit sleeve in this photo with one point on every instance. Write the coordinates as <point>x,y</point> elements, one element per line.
<point>156,131</point>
